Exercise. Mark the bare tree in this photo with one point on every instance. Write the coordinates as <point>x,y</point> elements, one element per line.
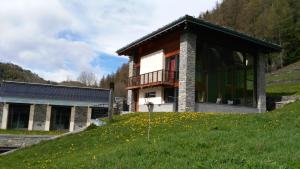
<point>87,78</point>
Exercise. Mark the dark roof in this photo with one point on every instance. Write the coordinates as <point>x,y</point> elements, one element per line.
<point>202,23</point>
<point>53,92</point>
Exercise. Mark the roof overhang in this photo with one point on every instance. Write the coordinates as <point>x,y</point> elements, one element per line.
<point>24,100</point>
<point>185,21</point>
<point>35,93</point>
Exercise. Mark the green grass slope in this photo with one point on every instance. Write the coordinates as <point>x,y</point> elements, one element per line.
<point>285,81</point>
<point>178,140</point>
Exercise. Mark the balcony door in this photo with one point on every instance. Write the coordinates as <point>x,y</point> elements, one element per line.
<point>171,67</point>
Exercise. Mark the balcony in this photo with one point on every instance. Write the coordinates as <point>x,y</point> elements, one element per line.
<point>151,79</point>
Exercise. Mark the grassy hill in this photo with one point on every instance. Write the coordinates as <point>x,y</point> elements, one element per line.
<point>185,140</point>
<point>285,81</point>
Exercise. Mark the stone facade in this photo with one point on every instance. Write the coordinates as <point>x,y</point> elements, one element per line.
<point>223,108</point>
<point>261,84</point>
<point>39,118</point>
<point>80,117</point>
<point>130,99</point>
<point>1,112</point>
<point>186,94</point>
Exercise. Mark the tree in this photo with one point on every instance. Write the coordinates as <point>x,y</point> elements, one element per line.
<point>119,78</point>
<point>277,21</point>
<point>88,78</point>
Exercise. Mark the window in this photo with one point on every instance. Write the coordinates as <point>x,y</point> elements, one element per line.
<point>224,75</point>
<point>172,67</point>
<point>99,112</point>
<point>150,94</point>
<point>169,95</point>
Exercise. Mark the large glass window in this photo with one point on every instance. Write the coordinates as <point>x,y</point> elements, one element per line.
<point>223,76</point>
<point>169,95</point>
<point>18,116</point>
<point>172,67</point>
<point>250,81</point>
<point>99,112</point>
<point>60,118</point>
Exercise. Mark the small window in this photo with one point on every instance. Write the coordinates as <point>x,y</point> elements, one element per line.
<point>150,94</point>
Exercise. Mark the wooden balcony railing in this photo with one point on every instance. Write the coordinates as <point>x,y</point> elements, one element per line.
<point>160,77</point>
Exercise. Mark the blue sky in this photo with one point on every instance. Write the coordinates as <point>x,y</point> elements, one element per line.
<point>58,39</point>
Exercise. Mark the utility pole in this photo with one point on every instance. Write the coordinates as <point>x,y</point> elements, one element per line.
<point>111,101</point>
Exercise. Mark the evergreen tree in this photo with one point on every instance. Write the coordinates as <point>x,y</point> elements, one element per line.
<point>277,21</point>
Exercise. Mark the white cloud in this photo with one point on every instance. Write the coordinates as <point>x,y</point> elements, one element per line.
<point>59,38</point>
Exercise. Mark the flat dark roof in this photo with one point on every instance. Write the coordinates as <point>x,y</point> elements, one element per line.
<point>53,92</point>
<point>202,24</point>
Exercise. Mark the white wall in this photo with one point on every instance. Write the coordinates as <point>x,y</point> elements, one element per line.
<point>152,62</point>
<point>155,100</point>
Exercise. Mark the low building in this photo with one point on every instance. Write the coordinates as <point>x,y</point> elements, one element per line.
<point>193,65</point>
<point>47,107</point>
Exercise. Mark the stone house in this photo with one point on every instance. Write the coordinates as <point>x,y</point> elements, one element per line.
<point>193,65</point>
<point>32,106</point>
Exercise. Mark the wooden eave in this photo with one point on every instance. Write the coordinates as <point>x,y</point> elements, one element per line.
<point>186,21</point>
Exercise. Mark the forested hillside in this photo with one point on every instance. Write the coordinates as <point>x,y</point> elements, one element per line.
<point>13,72</point>
<point>277,21</point>
<point>119,78</point>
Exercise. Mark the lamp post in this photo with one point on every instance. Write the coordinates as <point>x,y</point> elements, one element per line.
<point>150,109</point>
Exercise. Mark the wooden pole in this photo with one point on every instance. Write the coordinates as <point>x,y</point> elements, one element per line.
<point>111,101</point>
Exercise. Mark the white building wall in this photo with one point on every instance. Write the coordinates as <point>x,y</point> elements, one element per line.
<point>155,100</point>
<point>152,62</point>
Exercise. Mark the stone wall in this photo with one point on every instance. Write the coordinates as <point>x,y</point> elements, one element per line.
<point>39,118</point>
<point>274,102</point>
<point>186,93</point>
<point>130,99</point>
<point>1,112</point>
<point>211,107</point>
<point>7,140</point>
<point>80,117</point>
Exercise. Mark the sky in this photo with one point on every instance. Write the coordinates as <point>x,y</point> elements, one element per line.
<point>58,39</point>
